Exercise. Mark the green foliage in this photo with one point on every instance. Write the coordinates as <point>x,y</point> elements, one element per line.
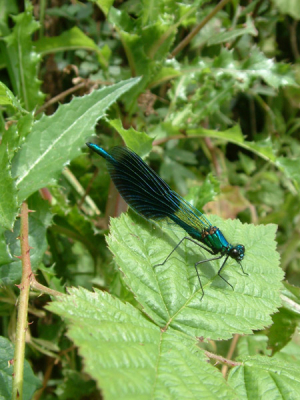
<point>170,294</point>
<point>22,60</point>
<point>8,202</point>
<point>210,97</point>
<point>136,141</point>
<point>262,378</point>
<point>142,360</point>
<point>6,371</point>
<point>42,156</point>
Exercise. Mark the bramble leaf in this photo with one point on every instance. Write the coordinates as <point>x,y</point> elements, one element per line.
<point>130,357</point>
<point>170,294</point>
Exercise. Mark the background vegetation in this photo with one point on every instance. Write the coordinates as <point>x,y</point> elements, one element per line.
<point>208,91</point>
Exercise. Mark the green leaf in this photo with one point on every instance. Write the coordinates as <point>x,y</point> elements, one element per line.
<point>5,257</point>
<point>57,139</point>
<point>8,98</point>
<point>31,383</point>
<point>75,386</point>
<point>104,5</point>
<point>284,325</point>
<point>70,40</point>
<point>38,224</point>
<point>291,7</point>
<point>15,134</point>
<point>9,194</point>
<point>244,73</point>
<point>290,353</point>
<point>77,226</point>
<point>130,357</point>
<point>266,378</point>
<point>229,35</point>
<point>291,168</point>
<point>152,10</point>
<point>286,320</point>
<point>252,345</point>
<point>170,294</point>
<point>166,73</point>
<point>139,142</point>
<point>22,61</point>
<point>198,196</point>
<point>234,135</point>
<point>146,47</point>
<point>291,297</point>
<point>263,148</point>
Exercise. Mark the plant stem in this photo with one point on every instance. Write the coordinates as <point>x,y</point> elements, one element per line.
<point>42,18</point>
<point>94,210</point>
<point>230,353</point>
<point>44,289</point>
<point>22,308</point>
<point>194,32</point>
<point>223,360</point>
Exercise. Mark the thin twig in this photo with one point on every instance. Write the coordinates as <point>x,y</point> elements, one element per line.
<point>44,289</point>
<point>293,39</point>
<point>194,32</point>
<point>212,151</point>
<point>88,188</point>
<point>230,353</point>
<point>167,139</point>
<point>256,9</point>
<point>61,96</point>
<point>80,190</point>
<point>291,303</point>
<point>47,376</point>
<point>223,360</point>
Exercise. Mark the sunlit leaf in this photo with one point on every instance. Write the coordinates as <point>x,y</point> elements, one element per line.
<point>8,190</point>
<point>170,294</point>
<point>56,140</point>
<point>266,378</point>
<point>23,61</point>
<point>291,7</point>
<point>139,142</point>
<point>130,357</point>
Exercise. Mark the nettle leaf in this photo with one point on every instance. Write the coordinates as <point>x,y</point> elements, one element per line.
<point>170,294</point>
<point>22,60</point>
<point>132,358</point>
<point>9,194</point>
<point>55,140</point>
<point>266,378</point>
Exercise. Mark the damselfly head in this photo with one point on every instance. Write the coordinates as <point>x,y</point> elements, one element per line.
<point>237,252</point>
